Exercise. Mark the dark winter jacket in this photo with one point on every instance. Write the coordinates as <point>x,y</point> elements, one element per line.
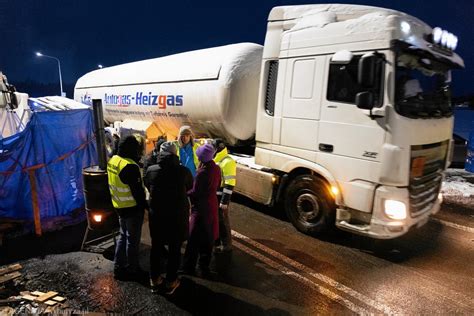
<point>204,200</point>
<point>152,157</point>
<point>150,160</point>
<point>168,183</point>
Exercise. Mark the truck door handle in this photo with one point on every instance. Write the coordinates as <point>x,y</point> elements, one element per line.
<point>326,147</point>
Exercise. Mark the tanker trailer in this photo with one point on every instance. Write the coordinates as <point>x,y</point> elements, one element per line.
<point>213,90</point>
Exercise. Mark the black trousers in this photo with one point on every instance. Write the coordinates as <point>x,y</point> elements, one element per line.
<point>159,254</point>
<point>225,234</point>
<point>200,244</point>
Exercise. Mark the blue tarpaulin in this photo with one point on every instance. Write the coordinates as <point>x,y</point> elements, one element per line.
<point>469,166</point>
<point>463,122</point>
<point>41,167</point>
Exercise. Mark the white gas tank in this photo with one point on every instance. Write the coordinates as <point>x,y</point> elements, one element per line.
<point>213,90</point>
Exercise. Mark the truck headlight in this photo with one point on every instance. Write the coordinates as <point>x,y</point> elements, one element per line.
<point>395,209</point>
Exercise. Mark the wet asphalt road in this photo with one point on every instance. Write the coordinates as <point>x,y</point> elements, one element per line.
<point>278,271</point>
<point>430,270</point>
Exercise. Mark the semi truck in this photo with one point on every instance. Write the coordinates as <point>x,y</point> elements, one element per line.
<point>347,106</point>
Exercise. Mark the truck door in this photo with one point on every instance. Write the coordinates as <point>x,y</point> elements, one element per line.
<point>301,104</point>
<point>346,130</point>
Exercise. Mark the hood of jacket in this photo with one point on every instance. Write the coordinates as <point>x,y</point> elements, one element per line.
<point>129,147</point>
<point>167,159</point>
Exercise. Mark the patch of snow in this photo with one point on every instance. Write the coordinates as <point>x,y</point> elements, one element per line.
<point>343,11</point>
<point>458,183</point>
<point>203,64</point>
<point>371,22</point>
<point>319,19</point>
<point>248,161</point>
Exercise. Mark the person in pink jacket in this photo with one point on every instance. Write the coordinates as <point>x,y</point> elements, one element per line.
<point>204,220</point>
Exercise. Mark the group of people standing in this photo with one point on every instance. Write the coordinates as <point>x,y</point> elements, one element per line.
<point>189,188</point>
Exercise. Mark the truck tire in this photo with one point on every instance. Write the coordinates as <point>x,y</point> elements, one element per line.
<point>308,205</point>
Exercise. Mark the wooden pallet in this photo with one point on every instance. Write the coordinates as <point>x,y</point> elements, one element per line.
<point>9,273</point>
<point>50,298</point>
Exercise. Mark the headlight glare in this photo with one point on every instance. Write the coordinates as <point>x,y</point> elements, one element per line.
<point>395,209</point>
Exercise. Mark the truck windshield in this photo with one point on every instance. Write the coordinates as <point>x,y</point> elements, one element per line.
<point>422,87</point>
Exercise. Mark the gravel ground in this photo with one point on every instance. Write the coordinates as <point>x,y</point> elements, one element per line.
<point>86,280</point>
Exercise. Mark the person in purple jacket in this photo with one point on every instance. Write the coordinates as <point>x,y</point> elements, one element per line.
<point>204,220</point>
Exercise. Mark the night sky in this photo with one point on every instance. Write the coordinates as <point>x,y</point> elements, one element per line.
<point>85,33</point>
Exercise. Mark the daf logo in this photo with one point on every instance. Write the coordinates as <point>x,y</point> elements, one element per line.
<point>370,154</point>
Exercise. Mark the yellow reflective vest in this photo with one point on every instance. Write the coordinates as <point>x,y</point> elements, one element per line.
<point>195,146</point>
<point>228,167</point>
<point>120,192</point>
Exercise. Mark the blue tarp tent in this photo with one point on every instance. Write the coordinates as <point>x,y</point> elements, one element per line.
<point>463,122</point>
<point>41,167</point>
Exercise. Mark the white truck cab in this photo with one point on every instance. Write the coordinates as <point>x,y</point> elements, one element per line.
<point>333,119</point>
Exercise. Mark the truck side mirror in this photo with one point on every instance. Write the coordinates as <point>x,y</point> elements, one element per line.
<point>365,100</point>
<point>366,74</point>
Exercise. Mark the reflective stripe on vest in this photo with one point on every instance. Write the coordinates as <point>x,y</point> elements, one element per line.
<point>120,192</point>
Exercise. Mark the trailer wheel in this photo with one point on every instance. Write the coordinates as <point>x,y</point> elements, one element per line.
<point>308,205</point>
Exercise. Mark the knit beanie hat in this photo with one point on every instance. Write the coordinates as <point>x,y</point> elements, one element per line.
<point>205,153</point>
<point>168,147</point>
<point>159,143</point>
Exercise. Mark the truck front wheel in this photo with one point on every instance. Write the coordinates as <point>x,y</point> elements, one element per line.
<point>308,205</point>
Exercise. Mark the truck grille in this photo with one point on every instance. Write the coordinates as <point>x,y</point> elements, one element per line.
<point>427,165</point>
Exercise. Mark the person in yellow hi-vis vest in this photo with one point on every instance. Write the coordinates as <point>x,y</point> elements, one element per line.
<point>186,149</point>
<point>224,193</point>
<point>128,198</point>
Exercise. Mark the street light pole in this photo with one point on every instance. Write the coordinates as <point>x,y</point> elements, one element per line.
<point>59,67</point>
